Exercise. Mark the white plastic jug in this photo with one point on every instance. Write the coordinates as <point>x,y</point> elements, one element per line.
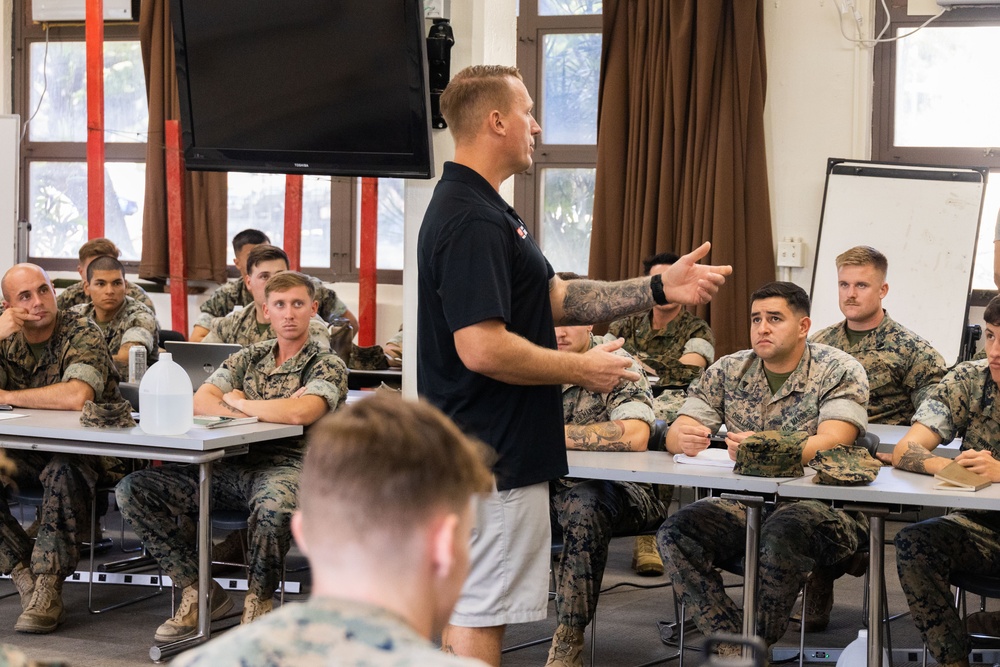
<point>166,398</point>
<point>855,654</point>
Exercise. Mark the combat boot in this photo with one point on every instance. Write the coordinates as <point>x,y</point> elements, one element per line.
<point>254,608</point>
<point>24,581</point>
<point>45,610</point>
<point>184,622</point>
<point>646,559</point>
<point>567,648</point>
<point>819,602</point>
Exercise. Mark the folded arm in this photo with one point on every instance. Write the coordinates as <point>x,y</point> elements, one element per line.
<point>913,451</point>
<point>68,395</point>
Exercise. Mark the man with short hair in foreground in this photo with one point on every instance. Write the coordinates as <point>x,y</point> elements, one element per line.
<point>385,516</point>
<point>783,384</point>
<point>289,380</point>
<point>929,552</point>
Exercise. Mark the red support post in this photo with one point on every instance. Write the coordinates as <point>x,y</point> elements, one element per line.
<point>293,221</point>
<point>176,227</point>
<point>367,281</point>
<point>94,34</point>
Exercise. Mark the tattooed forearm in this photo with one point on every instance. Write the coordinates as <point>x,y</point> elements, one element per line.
<point>601,437</point>
<point>230,408</point>
<point>914,459</point>
<point>591,301</point>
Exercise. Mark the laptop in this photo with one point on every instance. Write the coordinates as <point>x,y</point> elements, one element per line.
<point>199,360</point>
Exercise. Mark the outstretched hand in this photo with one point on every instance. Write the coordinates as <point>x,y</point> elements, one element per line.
<point>604,370</point>
<point>690,283</point>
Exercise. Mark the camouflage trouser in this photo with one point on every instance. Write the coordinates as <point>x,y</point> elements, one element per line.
<point>267,483</point>
<point>795,538</point>
<point>926,555</point>
<point>68,483</point>
<point>588,514</point>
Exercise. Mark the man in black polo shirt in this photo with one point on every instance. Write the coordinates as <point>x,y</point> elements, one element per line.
<point>488,304</point>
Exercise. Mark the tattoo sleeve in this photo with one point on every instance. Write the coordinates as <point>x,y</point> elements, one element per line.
<point>915,458</point>
<point>592,301</point>
<point>601,437</point>
<point>230,408</point>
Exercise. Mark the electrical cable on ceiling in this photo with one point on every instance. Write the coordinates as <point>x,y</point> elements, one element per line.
<point>844,5</point>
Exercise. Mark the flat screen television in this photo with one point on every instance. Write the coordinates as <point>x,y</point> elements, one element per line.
<point>333,87</point>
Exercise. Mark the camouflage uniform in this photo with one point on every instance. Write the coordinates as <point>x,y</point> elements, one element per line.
<point>795,537</point>
<point>901,366</point>
<point>265,480</point>
<point>589,512</point>
<point>240,328</point>
<point>660,349</point>
<point>321,632</point>
<point>235,293</point>
<point>75,296</point>
<point>929,551</point>
<point>133,323</point>
<point>76,351</point>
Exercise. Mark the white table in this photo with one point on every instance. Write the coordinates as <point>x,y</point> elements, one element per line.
<point>889,435</point>
<point>891,487</point>
<point>60,432</point>
<point>660,468</point>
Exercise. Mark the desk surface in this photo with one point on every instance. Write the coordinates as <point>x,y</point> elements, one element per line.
<point>60,425</point>
<point>660,468</point>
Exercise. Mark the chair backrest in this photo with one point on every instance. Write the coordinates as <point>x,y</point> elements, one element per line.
<point>869,441</point>
<point>170,334</point>
<point>658,436</point>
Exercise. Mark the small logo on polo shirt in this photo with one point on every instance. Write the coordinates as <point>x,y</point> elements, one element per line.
<point>522,232</point>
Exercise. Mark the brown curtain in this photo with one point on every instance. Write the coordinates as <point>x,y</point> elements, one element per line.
<point>680,148</point>
<point>205,192</point>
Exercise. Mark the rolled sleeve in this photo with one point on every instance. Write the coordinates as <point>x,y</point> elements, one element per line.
<point>223,379</point>
<point>326,390</point>
<point>700,346</point>
<point>204,320</point>
<point>85,373</point>
<point>696,408</point>
<point>845,410</point>
<point>936,416</point>
<point>140,336</point>
<point>633,410</point>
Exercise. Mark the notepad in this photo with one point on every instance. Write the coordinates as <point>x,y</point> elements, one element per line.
<point>955,477</point>
<point>212,421</point>
<point>718,458</point>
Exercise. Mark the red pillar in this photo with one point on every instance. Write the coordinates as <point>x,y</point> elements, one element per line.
<point>293,221</point>
<point>95,118</point>
<point>367,285</point>
<point>176,227</point>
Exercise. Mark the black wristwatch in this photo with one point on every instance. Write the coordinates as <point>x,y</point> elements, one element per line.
<point>656,287</point>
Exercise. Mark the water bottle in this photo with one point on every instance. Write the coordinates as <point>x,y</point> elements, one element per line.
<point>136,363</point>
<point>855,654</point>
<point>166,398</point>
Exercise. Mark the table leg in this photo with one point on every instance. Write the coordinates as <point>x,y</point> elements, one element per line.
<point>876,575</point>
<point>753,505</point>
<point>204,571</point>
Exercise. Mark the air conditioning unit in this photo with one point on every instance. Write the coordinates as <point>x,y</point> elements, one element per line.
<point>48,11</point>
<point>952,4</point>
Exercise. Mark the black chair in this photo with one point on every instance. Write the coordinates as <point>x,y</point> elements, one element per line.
<point>170,334</point>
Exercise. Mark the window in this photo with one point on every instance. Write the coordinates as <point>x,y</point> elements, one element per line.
<point>559,55</point>
<point>932,106</point>
<point>50,88</point>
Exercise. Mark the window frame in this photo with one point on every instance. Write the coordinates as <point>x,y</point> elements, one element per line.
<point>531,31</point>
<point>884,98</point>
<point>344,224</point>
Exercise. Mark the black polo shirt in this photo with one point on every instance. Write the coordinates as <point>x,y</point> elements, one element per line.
<point>477,262</point>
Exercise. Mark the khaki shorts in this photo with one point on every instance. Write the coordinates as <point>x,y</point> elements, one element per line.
<point>511,545</point>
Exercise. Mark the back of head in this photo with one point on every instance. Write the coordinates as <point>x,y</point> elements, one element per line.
<point>264,253</point>
<point>249,237</point>
<point>104,263</point>
<point>667,258</point>
<point>794,296</point>
<point>473,93</point>
<point>864,255</point>
<point>376,471</point>
<point>286,280</point>
<point>97,248</point>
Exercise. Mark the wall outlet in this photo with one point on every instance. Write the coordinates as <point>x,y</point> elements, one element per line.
<point>791,254</point>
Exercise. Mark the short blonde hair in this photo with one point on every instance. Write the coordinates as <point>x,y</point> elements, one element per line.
<point>863,255</point>
<point>98,248</point>
<point>286,280</point>
<point>473,93</point>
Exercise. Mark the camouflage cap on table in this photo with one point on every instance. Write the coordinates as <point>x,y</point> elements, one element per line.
<point>845,465</point>
<point>771,454</point>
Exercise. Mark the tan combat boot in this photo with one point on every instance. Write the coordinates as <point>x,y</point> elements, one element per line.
<point>254,608</point>
<point>184,622</point>
<point>45,609</point>
<point>646,559</point>
<point>567,648</point>
<point>24,581</point>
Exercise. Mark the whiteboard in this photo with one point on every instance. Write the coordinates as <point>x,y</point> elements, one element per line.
<point>925,220</point>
